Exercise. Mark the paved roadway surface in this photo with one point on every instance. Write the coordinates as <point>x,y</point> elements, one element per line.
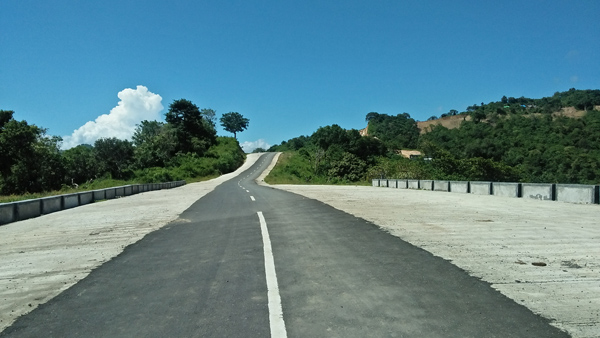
<point>204,275</point>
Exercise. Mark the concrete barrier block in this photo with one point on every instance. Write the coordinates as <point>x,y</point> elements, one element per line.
<point>393,184</point>
<point>135,189</point>
<point>86,197</point>
<point>441,186</point>
<point>70,201</point>
<point>375,183</point>
<point>119,191</point>
<point>577,193</point>
<point>127,190</point>
<point>426,184</point>
<point>412,184</point>
<point>28,209</point>
<point>402,184</point>
<point>51,204</point>
<point>539,191</point>
<point>459,186</point>
<point>481,188</point>
<point>99,194</point>
<point>8,214</point>
<point>110,193</point>
<point>505,189</point>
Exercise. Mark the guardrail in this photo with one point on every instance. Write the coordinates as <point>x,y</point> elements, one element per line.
<point>570,193</point>
<point>21,210</point>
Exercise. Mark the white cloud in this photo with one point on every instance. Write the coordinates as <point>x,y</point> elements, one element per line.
<point>249,147</point>
<point>135,105</point>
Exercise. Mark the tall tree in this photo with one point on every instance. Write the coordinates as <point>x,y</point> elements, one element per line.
<point>193,134</point>
<point>234,122</point>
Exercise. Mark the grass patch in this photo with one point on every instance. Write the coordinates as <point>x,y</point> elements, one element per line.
<point>293,168</point>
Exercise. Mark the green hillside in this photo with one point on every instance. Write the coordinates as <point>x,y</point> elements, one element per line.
<point>513,139</point>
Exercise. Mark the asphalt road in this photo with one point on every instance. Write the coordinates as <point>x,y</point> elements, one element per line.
<point>204,275</point>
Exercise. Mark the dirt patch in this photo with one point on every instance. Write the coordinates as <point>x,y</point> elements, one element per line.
<point>450,122</point>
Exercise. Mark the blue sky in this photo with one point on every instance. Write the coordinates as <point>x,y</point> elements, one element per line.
<point>288,66</point>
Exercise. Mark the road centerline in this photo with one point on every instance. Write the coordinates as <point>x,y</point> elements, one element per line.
<point>276,321</point>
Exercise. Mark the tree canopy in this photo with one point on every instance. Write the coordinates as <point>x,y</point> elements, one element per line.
<point>234,122</point>
<point>194,135</point>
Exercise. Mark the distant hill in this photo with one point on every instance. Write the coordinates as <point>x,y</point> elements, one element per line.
<point>454,121</point>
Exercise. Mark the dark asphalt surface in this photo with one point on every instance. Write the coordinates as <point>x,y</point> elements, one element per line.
<point>339,276</point>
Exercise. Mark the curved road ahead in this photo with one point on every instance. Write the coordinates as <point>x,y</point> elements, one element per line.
<point>330,274</point>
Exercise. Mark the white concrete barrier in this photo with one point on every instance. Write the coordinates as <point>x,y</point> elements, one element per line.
<point>441,186</point>
<point>426,184</point>
<point>110,193</point>
<point>577,193</point>
<point>504,189</point>
<point>459,186</point>
<point>51,204</point>
<point>127,190</point>
<point>119,191</point>
<point>99,195</point>
<point>538,191</point>
<point>86,197</point>
<point>481,188</point>
<point>28,209</point>
<point>70,201</point>
<point>8,213</point>
<point>412,184</point>
<point>402,184</point>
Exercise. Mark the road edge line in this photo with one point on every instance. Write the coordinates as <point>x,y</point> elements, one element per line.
<point>275,311</point>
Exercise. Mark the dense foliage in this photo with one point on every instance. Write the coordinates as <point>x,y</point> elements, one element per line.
<point>537,148</point>
<point>514,139</point>
<point>185,147</point>
<point>397,132</point>
<point>332,154</point>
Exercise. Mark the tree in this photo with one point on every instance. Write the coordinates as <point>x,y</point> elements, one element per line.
<point>209,115</point>
<point>29,160</point>
<point>155,144</point>
<point>114,157</point>
<point>193,134</point>
<point>234,122</point>
<point>397,132</point>
<point>80,163</point>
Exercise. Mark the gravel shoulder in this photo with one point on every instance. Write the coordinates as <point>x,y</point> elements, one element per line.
<point>41,257</point>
